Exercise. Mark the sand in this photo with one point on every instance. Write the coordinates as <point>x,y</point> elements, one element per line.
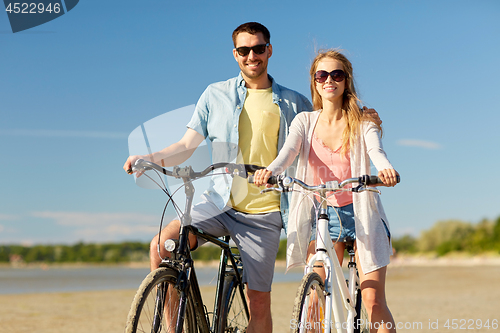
<point>421,298</point>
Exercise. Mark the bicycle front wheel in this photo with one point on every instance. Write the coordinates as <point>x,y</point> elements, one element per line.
<point>310,305</point>
<point>156,305</point>
<point>234,311</point>
<point>361,321</point>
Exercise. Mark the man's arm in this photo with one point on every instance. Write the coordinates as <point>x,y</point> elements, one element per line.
<point>172,155</point>
<point>373,115</point>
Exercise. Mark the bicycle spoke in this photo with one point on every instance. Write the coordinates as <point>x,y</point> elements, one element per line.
<point>234,318</point>
<point>309,309</point>
<point>156,306</point>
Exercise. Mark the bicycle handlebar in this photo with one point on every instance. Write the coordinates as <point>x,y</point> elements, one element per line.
<point>285,184</point>
<point>374,180</point>
<point>273,180</point>
<point>242,170</point>
<point>187,172</point>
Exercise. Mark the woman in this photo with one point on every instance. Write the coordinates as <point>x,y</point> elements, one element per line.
<point>334,143</point>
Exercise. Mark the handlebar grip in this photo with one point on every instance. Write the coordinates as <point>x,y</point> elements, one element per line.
<point>273,180</point>
<point>373,180</point>
<point>253,168</point>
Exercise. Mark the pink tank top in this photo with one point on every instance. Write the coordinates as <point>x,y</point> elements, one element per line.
<point>327,165</point>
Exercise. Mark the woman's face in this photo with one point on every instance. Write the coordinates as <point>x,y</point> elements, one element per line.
<point>330,90</point>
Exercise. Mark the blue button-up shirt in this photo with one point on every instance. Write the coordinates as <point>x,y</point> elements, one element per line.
<point>217,115</point>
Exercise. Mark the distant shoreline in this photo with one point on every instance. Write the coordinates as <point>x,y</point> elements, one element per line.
<point>455,259</point>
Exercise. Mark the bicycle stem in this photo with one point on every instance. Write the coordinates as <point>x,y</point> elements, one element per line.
<point>322,220</point>
<point>186,218</point>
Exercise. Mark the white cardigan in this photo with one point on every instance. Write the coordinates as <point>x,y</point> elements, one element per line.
<point>374,248</point>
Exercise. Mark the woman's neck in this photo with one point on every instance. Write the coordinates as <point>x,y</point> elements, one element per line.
<point>332,112</point>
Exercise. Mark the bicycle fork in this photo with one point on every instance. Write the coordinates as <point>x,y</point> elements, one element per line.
<point>338,297</point>
<point>353,287</point>
<point>184,285</point>
<point>159,306</point>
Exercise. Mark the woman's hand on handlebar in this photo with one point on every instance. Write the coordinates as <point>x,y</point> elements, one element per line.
<point>261,176</point>
<point>388,177</point>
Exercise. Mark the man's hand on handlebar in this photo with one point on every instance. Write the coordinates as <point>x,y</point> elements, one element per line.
<point>130,162</point>
<point>261,177</point>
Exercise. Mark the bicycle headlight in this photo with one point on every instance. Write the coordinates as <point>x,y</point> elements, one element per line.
<point>170,245</point>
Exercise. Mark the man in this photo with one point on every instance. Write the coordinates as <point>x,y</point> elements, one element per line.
<point>253,112</point>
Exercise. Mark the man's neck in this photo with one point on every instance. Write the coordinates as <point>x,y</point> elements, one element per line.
<point>262,82</point>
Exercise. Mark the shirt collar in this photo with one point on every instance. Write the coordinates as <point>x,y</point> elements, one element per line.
<point>241,81</point>
<point>275,87</point>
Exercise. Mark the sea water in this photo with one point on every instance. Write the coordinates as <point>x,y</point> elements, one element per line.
<point>87,278</point>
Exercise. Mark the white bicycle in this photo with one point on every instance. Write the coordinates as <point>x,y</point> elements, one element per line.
<point>334,304</point>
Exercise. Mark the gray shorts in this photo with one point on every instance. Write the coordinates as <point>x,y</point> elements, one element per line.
<point>256,235</point>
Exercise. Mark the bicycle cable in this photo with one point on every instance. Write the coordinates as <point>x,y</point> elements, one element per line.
<point>170,199</point>
<point>176,207</point>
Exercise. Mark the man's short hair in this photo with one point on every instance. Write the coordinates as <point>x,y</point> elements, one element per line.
<point>252,28</point>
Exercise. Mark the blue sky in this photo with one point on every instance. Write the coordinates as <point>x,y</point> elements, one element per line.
<point>73,89</point>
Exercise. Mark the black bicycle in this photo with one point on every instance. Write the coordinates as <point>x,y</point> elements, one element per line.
<point>169,298</point>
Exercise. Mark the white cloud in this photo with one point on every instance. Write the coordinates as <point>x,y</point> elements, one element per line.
<point>63,133</point>
<point>78,219</point>
<point>97,227</point>
<point>69,227</point>
<point>420,144</point>
<point>6,217</point>
<point>119,230</point>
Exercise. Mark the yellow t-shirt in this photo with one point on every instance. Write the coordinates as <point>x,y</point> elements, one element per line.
<point>258,142</point>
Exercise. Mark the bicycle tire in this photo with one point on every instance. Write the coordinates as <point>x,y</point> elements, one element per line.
<point>233,314</point>
<point>143,315</point>
<point>309,304</point>
<point>361,321</point>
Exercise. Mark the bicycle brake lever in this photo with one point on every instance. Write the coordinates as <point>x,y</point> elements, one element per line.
<point>361,188</point>
<point>376,190</point>
<point>139,167</point>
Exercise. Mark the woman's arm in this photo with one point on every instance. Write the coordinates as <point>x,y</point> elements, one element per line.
<point>286,155</point>
<point>378,156</point>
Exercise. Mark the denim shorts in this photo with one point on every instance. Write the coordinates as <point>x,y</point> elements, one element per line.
<point>346,214</point>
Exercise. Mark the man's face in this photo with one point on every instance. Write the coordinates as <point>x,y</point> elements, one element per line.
<point>253,66</point>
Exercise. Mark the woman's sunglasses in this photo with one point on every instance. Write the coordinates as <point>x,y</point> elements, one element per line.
<point>257,49</point>
<point>337,75</point>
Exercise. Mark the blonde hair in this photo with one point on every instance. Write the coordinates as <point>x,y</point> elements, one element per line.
<point>350,100</point>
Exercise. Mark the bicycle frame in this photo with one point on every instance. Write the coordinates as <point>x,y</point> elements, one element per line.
<point>339,298</point>
<point>183,263</point>
<point>188,281</point>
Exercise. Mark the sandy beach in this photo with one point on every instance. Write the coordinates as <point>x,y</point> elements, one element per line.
<point>422,298</point>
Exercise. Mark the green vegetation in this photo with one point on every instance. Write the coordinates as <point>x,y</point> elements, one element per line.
<point>453,236</point>
<point>444,237</point>
<point>80,252</point>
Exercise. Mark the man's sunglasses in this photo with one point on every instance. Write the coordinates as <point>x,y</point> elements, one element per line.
<point>337,75</point>
<point>257,49</point>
